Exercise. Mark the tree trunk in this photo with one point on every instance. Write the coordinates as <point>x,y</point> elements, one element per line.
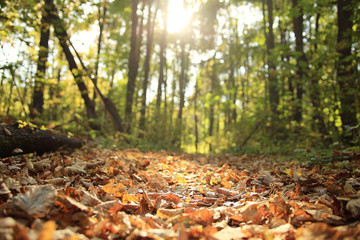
<point>211,125</point>
<point>196,118</point>
<point>314,91</point>
<point>301,61</point>
<point>15,141</point>
<point>106,102</point>
<point>149,38</point>
<point>60,32</point>
<point>163,45</point>
<point>345,68</point>
<point>212,103</point>
<point>101,28</point>
<point>133,65</point>
<point>233,94</point>
<point>273,88</point>
<point>38,96</point>
<point>182,79</point>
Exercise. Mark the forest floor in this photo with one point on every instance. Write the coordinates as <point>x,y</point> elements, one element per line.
<point>103,194</point>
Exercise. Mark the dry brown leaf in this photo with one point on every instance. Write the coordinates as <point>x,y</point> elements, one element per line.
<point>230,233</point>
<point>36,202</point>
<point>353,206</point>
<point>13,184</point>
<point>169,213</point>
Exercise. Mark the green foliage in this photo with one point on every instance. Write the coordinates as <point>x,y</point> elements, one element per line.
<point>227,59</point>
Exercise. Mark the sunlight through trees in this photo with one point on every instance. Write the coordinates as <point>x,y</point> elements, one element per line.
<point>200,76</point>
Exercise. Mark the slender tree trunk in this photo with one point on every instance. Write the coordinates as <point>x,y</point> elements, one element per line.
<point>101,28</point>
<point>233,90</point>
<point>316,29</point>
<point>60,32</point>
<point>244,85</point>
<point>314,91</point>
<point>106,102</point>
<point>345,67</point>
<point>182,79</point>
<point>12,73</point>
<point>301,61</point>
<point>54,93</point>
<point>149,38</point>
<point>211,125</point>
<point>38,95</point>
<point>212,103</point>
<point>272,79</point>
<point>163,45</point>
<point>173,94</point>
<point>196,118</point>
<point>140,36</point>
<point>165,91</point>
<point>133,64</point>
<point>265,53</point>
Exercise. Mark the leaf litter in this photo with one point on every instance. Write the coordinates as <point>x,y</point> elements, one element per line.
<point>128,194</point>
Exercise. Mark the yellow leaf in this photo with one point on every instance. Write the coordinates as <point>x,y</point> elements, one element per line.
<point>293,173</point>
<point>126,198</point>
<point>288,172</point>
<point>180,179</point>
<point>201,190</point>
<point>214,180</point>
<point>32,125</point>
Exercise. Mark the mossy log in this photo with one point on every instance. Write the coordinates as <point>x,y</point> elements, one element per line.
<point>15,141</point>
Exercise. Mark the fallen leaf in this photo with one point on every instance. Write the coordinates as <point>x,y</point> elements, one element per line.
<point>6,131</point>
<point>36,202</point>
<point>47,233</point>
<point>353,206</point>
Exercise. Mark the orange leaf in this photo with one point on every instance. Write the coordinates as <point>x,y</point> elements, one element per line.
<point>202,216</point>
<point>237,218</point>
<point>226,184</point>
<point>172,198</point>
<point>47,233</point>
<point>115,189</point>
<point>126,198</point>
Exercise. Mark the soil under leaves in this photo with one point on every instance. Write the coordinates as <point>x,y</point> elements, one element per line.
<point>103,194</point>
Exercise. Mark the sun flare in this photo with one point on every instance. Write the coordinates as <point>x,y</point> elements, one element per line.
<point>178,17</point>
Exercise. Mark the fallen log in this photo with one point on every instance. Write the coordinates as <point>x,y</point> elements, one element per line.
<point>15,141</point>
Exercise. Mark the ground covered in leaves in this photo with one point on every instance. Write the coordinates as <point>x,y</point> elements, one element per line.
<point>103,194</point>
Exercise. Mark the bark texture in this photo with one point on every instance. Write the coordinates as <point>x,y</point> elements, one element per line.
<point>273,84</point>
<point>38,96</point>
<point>133,64</point>
<point>15,141</point>
<point>301,61</point>
<point>345,68</point>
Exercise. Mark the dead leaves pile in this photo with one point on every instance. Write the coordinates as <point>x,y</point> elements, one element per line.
<point>103,194</point>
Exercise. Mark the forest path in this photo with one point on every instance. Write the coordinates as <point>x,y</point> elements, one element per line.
<point>160,195</point>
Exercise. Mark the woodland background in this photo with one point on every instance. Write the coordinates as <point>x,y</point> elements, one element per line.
<point>289,80</point>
